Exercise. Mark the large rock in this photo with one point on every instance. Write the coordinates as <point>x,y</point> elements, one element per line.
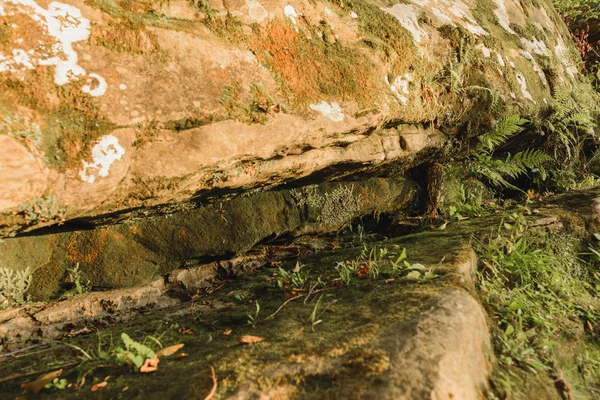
<point>111,107</point>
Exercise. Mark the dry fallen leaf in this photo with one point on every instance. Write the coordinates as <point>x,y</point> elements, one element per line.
<point>99,386</point>
<point>250,339</point>
<point>167,351</point>
<point>38,384</point>
<point>181,355</point>
<point>150,365</point>
<point>227,332</point>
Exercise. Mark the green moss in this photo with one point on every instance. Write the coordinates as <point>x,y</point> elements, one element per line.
<point>529,31</point>
<point>125,12</point>
<point>68,120</point>
<point>384,34</point>
<point>250,111</point>
<point>124,36</point>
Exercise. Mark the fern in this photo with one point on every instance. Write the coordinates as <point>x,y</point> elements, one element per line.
<point>568,126</point>
<point>482,165</point>
<point>505,128</point>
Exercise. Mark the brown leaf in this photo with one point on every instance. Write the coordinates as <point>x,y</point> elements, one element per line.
<point>250,339</point>
<point>167,351</point>
<point>99,386</point>
<point>38,384</point>
<point>227,332</point>
<point>150,365</point>
<point>181,355</point>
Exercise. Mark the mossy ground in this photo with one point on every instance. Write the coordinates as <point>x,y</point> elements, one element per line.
<point>351,318</point>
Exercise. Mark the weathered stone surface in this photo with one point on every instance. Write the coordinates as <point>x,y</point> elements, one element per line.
<point>133,253</point>
<point>148,103</point>
<point>393,340</point>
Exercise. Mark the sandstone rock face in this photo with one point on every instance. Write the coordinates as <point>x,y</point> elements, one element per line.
<point>108,108</point>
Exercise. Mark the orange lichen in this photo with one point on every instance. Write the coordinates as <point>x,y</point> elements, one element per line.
<point>85,248</point>
<point>311,69</point>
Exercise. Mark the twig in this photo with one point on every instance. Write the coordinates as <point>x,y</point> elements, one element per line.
<point>12,354</point>
<point>285,302</point>
<point>214,388</point>
<point>296,298</point>
<point>310,292</point>
<point>25,374</point>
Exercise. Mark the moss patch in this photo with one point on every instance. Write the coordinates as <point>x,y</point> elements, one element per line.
<point>72,120</point>
<point>312,69</point>
<point>124,37</point>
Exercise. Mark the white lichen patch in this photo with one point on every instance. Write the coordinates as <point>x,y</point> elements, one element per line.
<point>63,25</point>
<point>104,154</point>
<point>453,13</point>
<point>400,86</point>
<point>256,11</point>
<point>535,46</point>
<point>500,59</point>
<point>486,52</point>
<point>408,16</point>
<point>290,12</point>
<point>95,85</point>
<point>503,18</point>
<point>536,68</point>
<point>332,111</point>
<point>562,54</point>
<point>523,84</point>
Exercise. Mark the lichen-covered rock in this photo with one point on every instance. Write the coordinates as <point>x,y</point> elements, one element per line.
<point>115,106</point>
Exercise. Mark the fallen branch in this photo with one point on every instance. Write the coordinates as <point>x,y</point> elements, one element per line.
<point>214,388</point>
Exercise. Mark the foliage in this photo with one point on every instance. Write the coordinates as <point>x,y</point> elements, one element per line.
<point>379,260</point>
<point>578,9</point>
<point>482,163</point>
<point>253,318</point>
<point>76,278</point>
<point>139,355</point>
<point>568,127</point>
<point>14,285</point>
<point>535,284</point>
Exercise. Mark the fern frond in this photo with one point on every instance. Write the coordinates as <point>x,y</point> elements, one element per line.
<point>504,129</point>
<point>529,159</point>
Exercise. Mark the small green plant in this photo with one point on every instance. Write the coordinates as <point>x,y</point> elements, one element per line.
<point>253,318</point>
<point>134,352</point>
<point>14,285</point>
<point>76,277</point>
<point>57,383</point>
<point>297,278</point>
<point>345,271</point>
<point>374,261</point>
<point>316,313</point>
<point>319,308</point>
<point>129,351</point>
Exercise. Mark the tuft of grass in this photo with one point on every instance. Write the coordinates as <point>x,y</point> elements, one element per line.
<point>536,285</point>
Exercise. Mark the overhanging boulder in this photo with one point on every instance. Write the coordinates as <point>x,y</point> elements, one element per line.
<point>110,107</point>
